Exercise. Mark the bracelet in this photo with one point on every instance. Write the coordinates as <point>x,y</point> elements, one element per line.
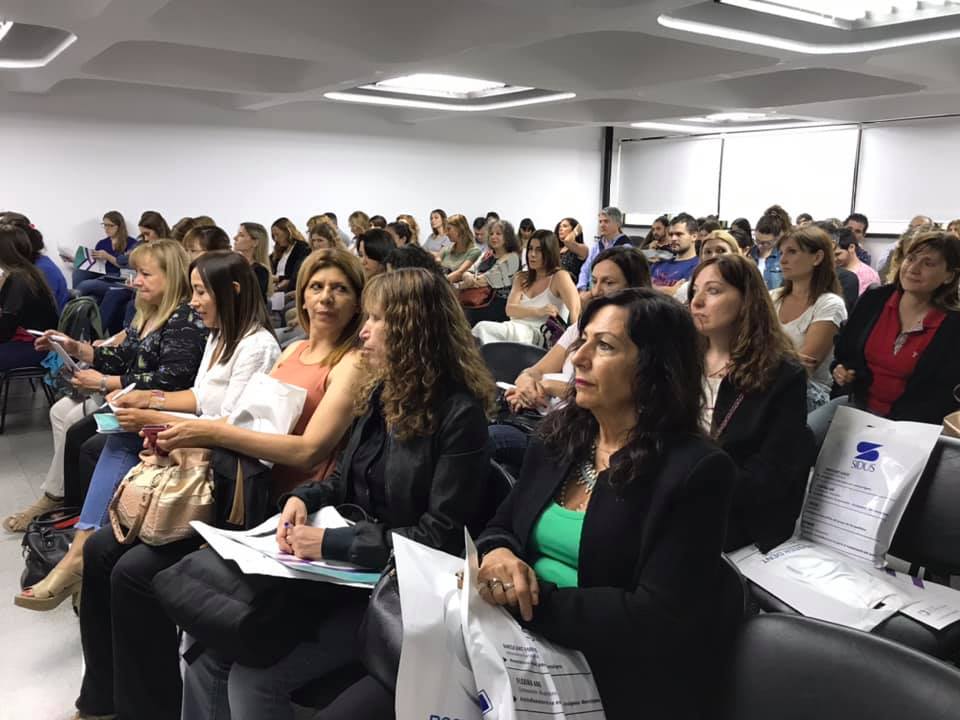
<point>158,400</point>
<point>103,384</point>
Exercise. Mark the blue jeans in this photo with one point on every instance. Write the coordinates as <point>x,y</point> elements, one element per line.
<point>17,354</point>
<point>510,445</point>
<point>121,453</point>
<point>94,287</point>
<point>113,308</point>
<point>820,419</point>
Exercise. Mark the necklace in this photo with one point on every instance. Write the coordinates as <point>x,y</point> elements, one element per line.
<point>586,476</point>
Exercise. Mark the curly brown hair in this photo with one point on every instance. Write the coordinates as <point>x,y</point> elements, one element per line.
<point>430,352</point>
<point>759,345</point>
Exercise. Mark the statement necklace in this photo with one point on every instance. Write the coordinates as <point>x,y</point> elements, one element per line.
<point>586,476</point>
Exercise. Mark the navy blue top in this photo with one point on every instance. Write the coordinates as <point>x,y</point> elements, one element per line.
<point>55,279</point>
<point>122,259</point>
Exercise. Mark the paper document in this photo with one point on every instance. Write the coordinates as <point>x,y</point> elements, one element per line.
<point>68,362</point>
<point>83,260</point>
<point>277,301</point>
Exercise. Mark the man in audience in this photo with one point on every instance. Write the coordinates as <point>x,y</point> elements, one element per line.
<point>610,225</point>
<point>919,220</point>
<point>846,255</point>
<point>344,236</point>
<point>683,236</point>
<point>859,223</point>
<point>707,226</point>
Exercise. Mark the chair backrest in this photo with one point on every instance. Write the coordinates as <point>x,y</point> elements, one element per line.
<point>794,668</point>
<point>929,533</point>
<point>507,359</point>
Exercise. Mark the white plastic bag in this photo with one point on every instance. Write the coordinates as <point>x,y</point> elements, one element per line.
<point>520,676</point>
<point>865,475</point>
<point>435,680</point>
<point>268,405</point>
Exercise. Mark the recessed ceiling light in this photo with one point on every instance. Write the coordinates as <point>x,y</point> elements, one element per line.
<point>370,99</point>
<point>686,129</point>
<point>23,64</point>
<point>444,86</point>
<point>735,117</point>
<point>851,14</point>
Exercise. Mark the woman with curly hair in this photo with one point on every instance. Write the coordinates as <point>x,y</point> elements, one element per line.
<point>615,526</point>
<point>755,406</point>
<point>416,462</point>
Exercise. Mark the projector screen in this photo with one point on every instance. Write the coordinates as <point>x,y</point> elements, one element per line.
<point>668,176</point>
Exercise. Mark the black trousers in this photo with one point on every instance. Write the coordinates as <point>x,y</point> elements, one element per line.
<point>130,646</point>
<point>496,311</point>
<point>81,451</point>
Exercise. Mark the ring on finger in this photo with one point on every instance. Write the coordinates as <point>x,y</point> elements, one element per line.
<point>507,586</point>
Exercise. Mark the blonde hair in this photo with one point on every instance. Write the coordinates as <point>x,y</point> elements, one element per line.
<point>326,231</point>
<point>173,262</point>
<point>261,252</point>
<point>203,220</point>
<point>350,266</point>
<point>462,226</point>
<point>360,219</point>
<point>414,228</point>
<point>726,238</point>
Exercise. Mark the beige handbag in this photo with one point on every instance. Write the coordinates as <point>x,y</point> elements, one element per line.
<point>159,496</point>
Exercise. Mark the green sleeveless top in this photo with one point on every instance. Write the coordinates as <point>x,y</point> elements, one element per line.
<point>556,545</point>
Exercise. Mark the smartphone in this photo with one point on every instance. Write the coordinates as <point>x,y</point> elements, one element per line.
<point>150,432</point>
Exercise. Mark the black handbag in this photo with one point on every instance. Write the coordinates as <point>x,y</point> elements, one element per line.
<point>45,543</point>
<point>241,490</point>
<point>381,631</point>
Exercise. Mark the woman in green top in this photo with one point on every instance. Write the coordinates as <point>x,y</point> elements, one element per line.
<point>610,541</point>
<point>463,253</point>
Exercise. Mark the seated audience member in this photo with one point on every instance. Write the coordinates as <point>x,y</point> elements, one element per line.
<point>462,253</point>
<point>425,439</point>
<point>53,275</point>
<point>744,239</point>
<point>610,227</point>
<point>668,274</point>
<point>766,252</point>
<point>623,485</point>
<point>890,269</point>
<point>849,282</point>
<point>141,665</point>
<point>289,251</point>
<point>710,224</point>
<point>495,269</point>
<point>152,226</point>
<point>809,306</point>
<point>400,232</point>
<point>541,292</point>
<point>251,242</point>
<point>205,221</point>
<point>344,236</point>
<point>954,227</point>
<point>896,357</point>
<point>359,223</point>
<point>492,215</point>
<point>411,222</point>
<point>412,256</point>
<point>745,226</point>
<point>846,258</point>
<point>804,219</point>
<point>718,242</point>
<point>525,231</point>
<point>657,236</point>
<point>920,220</point>
<point>160,351</point>
<point>858,224</point>
<point>26,302</point>
<point>573,251</point>
<point>181,228</point>
<point>203,239</point>
<point>437,240</point>
<point>373,247</point>
<point>323,236</point>
<point>481,232</point>
<point>113,251</point>
<point>756,400</point>
<point>378,221</point>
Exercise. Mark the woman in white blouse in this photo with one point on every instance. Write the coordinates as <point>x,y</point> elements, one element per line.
<point>809,305</point>
<point>227,298</point>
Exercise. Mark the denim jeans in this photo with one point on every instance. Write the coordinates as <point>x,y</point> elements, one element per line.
<point>119,455</point>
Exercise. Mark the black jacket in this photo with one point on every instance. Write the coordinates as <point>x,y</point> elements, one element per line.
<point>435,484</point>
<point>298,254</point>
<point>768,439</point>
<point>928,396</point>
<point>649,572</point>
<point>850,286</point>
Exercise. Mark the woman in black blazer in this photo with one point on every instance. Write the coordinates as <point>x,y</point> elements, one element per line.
<point>416,463</point>
<point>755,400</point>
<point>610,542</point>
<point>912,375</point>
<point>289,252</point>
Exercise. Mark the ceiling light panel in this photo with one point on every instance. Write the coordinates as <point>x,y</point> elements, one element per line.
<point>852,14</point>
<point>444,86</point>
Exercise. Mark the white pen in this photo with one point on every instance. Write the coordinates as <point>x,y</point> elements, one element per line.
<point>120,393</point>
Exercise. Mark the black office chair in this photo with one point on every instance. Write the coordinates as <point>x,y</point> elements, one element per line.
<point>507,359</point>
<point>928,537</point>
<point>793,668</point>
<point>33,375</point>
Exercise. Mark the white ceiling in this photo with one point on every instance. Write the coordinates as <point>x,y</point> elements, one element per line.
<point>267,62</point>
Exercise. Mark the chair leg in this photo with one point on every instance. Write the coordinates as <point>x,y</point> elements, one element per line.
<point>33,388</point>
<point>4,395</point>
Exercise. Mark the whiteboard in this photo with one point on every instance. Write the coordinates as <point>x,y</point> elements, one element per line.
<point>809,170</point>
<point>668,176</point>
<point>907,169</point>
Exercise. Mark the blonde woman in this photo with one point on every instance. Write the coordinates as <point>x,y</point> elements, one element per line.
<point>460,256</point>
<point>251,241</point>
<point>359,223</point>
<point>324,236</point>
<point>289,251</point>
<point>412,224</point>
<point>160,351</point>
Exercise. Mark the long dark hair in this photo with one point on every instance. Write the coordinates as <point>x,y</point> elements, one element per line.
<point>33,235</point>
<point>667,388</point>
<point>377,244</point>
<point>120,242</point>
<point>549,251</point>
<point>239,312</point>
<point>810,239</point>
<point>632,263</point>
<point>154,220</point>
<point>16,258</point>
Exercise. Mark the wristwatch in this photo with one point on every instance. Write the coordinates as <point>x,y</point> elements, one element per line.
<point>103,384</point>
<point>157,400</point>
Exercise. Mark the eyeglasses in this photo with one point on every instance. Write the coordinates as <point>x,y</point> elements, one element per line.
<point>107,225</point>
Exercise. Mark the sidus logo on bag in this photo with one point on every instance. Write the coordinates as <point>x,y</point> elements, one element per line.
<point>867,455</point>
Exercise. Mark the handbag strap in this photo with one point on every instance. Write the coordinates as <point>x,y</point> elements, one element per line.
<point>237,509</point>
<point>134,531</point>
<point>729,416</point>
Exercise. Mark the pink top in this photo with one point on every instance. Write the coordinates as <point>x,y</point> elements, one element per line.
<point>313,378</point>
<point>867,276</point>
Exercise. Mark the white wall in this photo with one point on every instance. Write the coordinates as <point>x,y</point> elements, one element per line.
<point>65,172</point>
